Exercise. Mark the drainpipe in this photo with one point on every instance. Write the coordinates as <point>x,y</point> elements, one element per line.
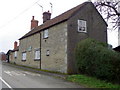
<point>40,50</point>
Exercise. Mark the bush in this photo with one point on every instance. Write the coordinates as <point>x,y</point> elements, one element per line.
<point>95,59</point>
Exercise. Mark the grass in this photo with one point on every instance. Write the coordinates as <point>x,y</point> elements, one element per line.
<point>90,82</point>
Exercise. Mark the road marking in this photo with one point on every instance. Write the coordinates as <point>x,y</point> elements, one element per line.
<point>30,73</point>
<point>14,73</point>
<point>8,72</point>
<point>22,73</point>
<point>6,83</point>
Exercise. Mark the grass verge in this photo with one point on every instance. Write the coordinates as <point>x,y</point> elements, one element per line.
<point>90,82</point>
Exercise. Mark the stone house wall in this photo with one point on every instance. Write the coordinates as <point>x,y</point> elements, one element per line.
<point>29,45</point>
<point>56,44</point>
<point>96,29</point>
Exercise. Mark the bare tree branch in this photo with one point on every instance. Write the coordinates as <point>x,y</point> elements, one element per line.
<point>110,10</point>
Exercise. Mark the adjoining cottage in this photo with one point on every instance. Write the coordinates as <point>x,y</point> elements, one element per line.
<point>13,54</point>
<point>51,45</point>
<point>3,56</point>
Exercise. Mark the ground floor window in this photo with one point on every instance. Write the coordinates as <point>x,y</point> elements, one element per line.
<point>24,56</point>
<point>15,54</point>
<point>37,54</point>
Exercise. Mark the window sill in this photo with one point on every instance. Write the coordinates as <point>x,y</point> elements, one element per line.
<point>82,31</point>
<point>36,59</point>
<point>23,60</point>
<point>45,38</point>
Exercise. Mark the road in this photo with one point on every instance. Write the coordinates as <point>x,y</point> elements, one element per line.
<point>3,84</point>
<point>17,78</point>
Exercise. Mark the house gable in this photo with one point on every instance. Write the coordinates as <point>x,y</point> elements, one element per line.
<point>96,28</point>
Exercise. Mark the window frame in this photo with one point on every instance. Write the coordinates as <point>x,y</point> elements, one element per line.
<point>82,24</point>
<point>24,58</point>
<point>48,53</point>
<point>45,34</point>
<point>15,54</point>
<point>38,56</point>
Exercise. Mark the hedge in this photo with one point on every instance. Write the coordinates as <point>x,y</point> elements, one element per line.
<point>95,59</point>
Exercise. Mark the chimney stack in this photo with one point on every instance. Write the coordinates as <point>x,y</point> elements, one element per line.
<point>34,23</point>
<point>15,45</point>
<point>46,16</point>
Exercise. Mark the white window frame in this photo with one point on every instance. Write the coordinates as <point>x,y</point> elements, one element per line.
<point>82,26</point>
<point>15,54</point>
<point>24,56</point>
<point>45,33</point>
<point>37,54</point>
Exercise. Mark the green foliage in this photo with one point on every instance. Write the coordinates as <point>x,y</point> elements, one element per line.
<point>91,82</point>
<point>95,59</point>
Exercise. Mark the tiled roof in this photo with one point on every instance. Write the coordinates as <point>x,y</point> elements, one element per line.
<point>63,17</point>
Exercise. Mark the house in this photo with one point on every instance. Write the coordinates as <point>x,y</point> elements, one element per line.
<point>51,46</point>
<point>8,55</point>
<point>13,54</point>
<point>2,56</point>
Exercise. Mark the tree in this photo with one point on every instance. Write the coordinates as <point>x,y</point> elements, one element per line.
<point>110,9</point>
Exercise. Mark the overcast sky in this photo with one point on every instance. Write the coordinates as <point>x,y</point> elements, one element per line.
<point>15,17</point>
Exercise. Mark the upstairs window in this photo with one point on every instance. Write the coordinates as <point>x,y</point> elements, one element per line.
<point>37,54</point>
<point>45,33</point>
<point>24,56</point>
<point>82,27</point>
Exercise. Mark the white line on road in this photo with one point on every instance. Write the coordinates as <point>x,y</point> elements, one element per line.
<point>6,83</point>
<point>8,72</point>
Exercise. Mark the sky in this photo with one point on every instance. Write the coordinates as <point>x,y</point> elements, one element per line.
<point>16,15</point>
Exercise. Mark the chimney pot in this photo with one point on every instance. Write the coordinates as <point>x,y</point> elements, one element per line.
<point>32,17</point>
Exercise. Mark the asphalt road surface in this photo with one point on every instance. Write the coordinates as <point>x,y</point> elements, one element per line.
<point>17,78</point>
<point>3,84</point>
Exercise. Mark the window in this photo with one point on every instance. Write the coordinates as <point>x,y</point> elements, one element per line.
<point>29,48</point>
<point>82,26</point>
<point>45,33</point>
<point>15,54</point>
<point>37,54</point>
<point>24,56</point>
<point>47,53</point>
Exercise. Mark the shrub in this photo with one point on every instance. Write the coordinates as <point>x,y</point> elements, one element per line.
<point>95,59</point>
